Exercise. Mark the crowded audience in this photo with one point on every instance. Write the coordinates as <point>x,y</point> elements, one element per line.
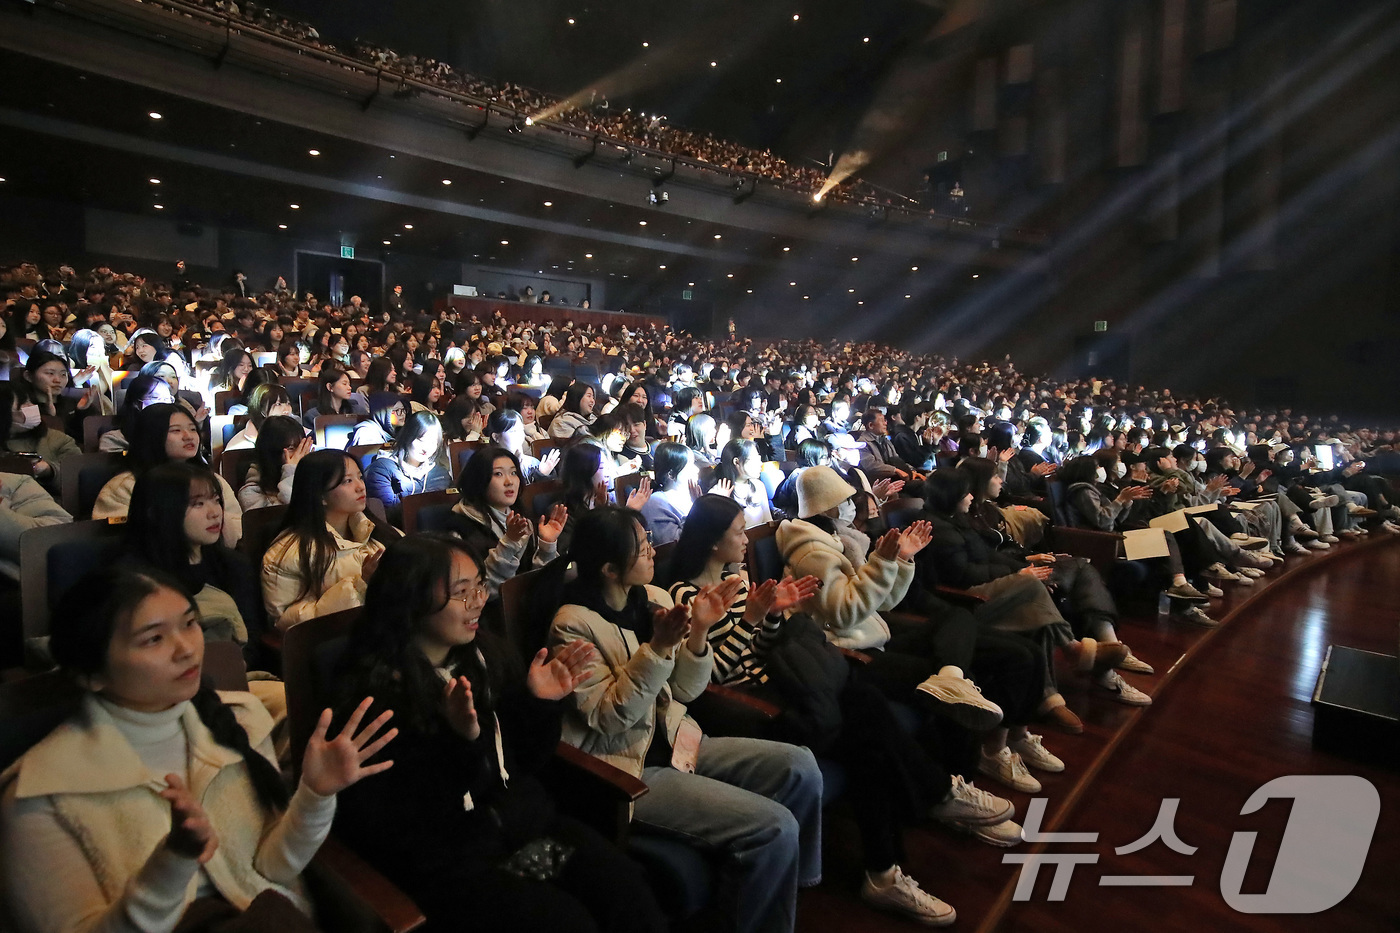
<point>914,504</point>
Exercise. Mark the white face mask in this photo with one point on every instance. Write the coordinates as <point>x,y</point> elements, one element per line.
<point>1120,469</point>
<point>846,512</point>
<point>31,415</point>
<point>1198,466</point>
<point>1101,475</point>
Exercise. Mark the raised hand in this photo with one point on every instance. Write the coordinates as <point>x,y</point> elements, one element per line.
<point>695,491</point>
<point>1171,485</point>
<point>712,603</point>
<point>1132,493</point>
<point>669,628</point>
<point>191,833</point>
<point>460,708</point>
<point>1043,469</point>
<point>370,565</point>
<point>600,495</point>
<point>639,496</point>
<point>1215,483</point>
<point>888,545</point>
<point>556,678</point>
<point>518,528</point>
<point>885,488</point>
<point>294,455</point>
<point>552,525</point>
<point>789,593</point>
<point>914,539</point>
<point>1006,454</point>
<point>331,765</point>
<point>549,461</point>
<point>722,487</point>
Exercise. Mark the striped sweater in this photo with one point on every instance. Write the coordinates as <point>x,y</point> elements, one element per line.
<point>738,646</point>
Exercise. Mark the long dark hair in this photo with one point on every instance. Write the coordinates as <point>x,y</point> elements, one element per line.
<point>943,490</point>
<point>224,373</point>
<point>979,474</point>
<point>708,522</point>
<point>476,474</point>
<point>137,391</point>
<point>317,474</point>
<point>326,402</point>
<point>669,459</point>
<point>605,535</point>
<point>414,427</point>
<point>156,518</point>
<point>275,436</point>
<point>574,397</point>
<point>737,449</point>
<point>381,656</point>
<point>576,471</point>
<point>377,378</point>
<point>80,635</point>
<point>147,434</point>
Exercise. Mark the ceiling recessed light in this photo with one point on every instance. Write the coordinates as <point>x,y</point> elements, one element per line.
<point>714,64</point>
<point>866,39</point>
<point>387,243</point>
<point>974,275</point>
<point>730,275</point>
<point>796,17</point>
<point>660,267</point>
<point>641,223</point>
<point>571,21</point>
<point>719,236</point>
<point>780,80</point>
<point>860,302</point>
<point>295,207</point>
<point>2,181</point>
<point>913,268</point>
<point>587,255</point>
<point>314,152</point>
<point>154,181</point>
<point>749,291</point>
<point>505,242</point>
<point>908,296</point>
<point>646,45</point>
<point>855,259</point>
<point>159,207</point>
<point>786,248</point>
<point>850,291</point>
<point>548,203</point>
<point>281,226</point>
<point>155,116</point>
<point>408,226</point>
<point>792,283</point>
<point>447,181</point>
<point>690,284</point>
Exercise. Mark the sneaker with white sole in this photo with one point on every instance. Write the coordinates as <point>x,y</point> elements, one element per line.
<point>1325,502</point>
<point>1135,665</point>
<point>1294,547</point>
<point>1243,579</point>
<point>1004,835</point>
<point>1318,545</point>
<point>1196,616</point>
<point>1330,539</point>
<point>1187,592</point>
<point>1007,768</point>
<point>904,896</point>
<point>967,804</point>
<point>1254,573</point>
<point>1218,572</point>
<point>1122,691</point>
<point>1249,542</point>
<point>1036,755</point>
<point>1213,590</point>
<point>961,701</point>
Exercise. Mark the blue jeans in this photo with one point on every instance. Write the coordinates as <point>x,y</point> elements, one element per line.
<point>760,803</point>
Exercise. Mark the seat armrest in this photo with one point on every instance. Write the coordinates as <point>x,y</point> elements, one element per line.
<point>601,773</point>
<point>965,598</point>
<point>392,907</point>
<point>859,657</point>
<point>1100,548</point>
<point>593,791</point>
<point>739,697</point>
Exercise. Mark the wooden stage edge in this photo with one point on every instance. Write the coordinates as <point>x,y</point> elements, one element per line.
<point>1058,816</point>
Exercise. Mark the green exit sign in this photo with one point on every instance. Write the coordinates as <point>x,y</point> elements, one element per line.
<point>347,252</point>
<point>686,294</point>
<point>1100,326</point>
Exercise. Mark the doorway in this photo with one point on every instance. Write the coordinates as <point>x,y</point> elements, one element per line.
<point>334,280</point>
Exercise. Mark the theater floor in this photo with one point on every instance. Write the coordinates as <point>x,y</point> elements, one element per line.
<point>1231,713</point>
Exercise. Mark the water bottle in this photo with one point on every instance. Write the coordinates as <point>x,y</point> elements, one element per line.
<point>1164,606</point>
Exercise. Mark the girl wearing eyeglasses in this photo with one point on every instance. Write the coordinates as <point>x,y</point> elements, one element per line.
<point>461,823</point>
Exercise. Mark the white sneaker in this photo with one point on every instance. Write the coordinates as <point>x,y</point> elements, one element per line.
<point>1122,691</point>
<point>1135,665</point>
<point>1293,547</point>
<point>1035,754</point>
<point>1318,545</point>
<point>967,804</point>
<point>904,896</point>
<point>1218,572</point>
<point>1003,835</point>
<point>1213,590</point>
<point>1325,502</point>
<point>1254,573</point>
<point>1196,616</point>
<point>1330,539</point>
<point>1249,542</point>
<point>961,701</point>
<point>1243,579</point>
<point>1007,767</point>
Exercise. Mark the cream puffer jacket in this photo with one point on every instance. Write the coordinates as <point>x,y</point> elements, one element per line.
<point>850,601</point>
<point>343,587</point>
<point>627,686</point>
<point>114,501</point>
